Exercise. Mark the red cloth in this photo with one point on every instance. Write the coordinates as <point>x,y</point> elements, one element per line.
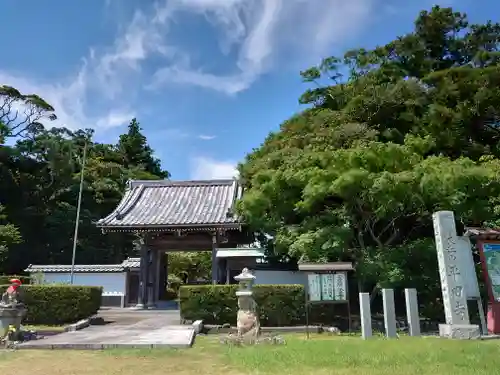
<point>16,283</point>
<point>11,289</point>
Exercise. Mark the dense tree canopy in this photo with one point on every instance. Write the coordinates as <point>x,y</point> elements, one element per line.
<point>412,129</point>
<point>39,184</point>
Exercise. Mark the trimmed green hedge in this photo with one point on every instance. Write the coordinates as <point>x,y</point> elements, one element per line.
<point>59,304</point>
<point>279,305</point>
<point>5,279</point>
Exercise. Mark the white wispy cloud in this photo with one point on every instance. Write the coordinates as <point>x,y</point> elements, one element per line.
<point>205,168</point>
<point>262,31</point>
<point>105,90</point>
<point>204,137</point>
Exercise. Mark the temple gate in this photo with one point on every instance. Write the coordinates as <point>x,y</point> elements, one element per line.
<point>177,216</point>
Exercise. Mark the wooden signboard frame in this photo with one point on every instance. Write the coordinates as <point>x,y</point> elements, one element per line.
<point>309,302</point>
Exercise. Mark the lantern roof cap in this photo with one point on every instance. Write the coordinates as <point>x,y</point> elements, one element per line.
<point>245,275</point>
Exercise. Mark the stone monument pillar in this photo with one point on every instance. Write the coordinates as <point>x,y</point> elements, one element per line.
<point>412,314</point>
<point>452,280</point>
<point>366,315</point>
<point>248,324</point>
<point>389,313</point>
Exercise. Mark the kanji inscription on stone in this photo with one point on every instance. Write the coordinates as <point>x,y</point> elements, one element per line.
<point>452,283</point>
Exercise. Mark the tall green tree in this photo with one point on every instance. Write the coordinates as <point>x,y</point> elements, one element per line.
<point>440,80</point>
<point>19,112</point>
<point>39,186</point>
<point>135,151</point>
<point>412,129</point>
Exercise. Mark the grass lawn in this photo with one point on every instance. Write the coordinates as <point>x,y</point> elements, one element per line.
<point>321,355</point>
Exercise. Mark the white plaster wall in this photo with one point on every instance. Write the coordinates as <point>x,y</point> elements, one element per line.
<point>279,277</point>
<point>111,282</point>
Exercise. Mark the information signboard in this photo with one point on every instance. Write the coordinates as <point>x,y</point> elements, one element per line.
<point>327,286</point>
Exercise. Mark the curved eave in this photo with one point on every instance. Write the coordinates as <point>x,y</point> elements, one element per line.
<point>125,202</point>
<point>175,206</point>
<point>173,228</point>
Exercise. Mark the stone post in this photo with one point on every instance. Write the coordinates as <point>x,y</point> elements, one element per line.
<point>366,315</point>
<point>412,314</point>
<point>452,281</point>
<point>389,313</point>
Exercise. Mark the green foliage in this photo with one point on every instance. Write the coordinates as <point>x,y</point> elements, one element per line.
<point>135,150</point>
<point>279,305</point>
<point>40,176</point>
<point>20,113</point>
<point>60,304</point>
<point>412,129</point>
<point>189,266</point>
<point>5,279</point>
<point>171,294</point>
<point>9,235</point>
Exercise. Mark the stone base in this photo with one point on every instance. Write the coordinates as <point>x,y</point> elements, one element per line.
<point>460,331</point>
<point>139,306</point>
<point>10,316</point>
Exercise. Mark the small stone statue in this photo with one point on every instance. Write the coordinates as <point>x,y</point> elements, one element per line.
<point>11,297</point>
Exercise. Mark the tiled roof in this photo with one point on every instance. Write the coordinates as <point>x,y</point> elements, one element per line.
<point>483,233</point>
<point>175,204</point>
<point>129,263</point>
<point>78,268</point>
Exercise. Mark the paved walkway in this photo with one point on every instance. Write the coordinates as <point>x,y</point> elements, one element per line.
<point>123,328</point>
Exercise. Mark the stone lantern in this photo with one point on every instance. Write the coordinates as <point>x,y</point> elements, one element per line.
<point>247,319</point>
<point>245,280</point>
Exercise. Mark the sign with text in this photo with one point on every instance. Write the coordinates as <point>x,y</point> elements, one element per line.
<point>450,263</point>
<point>327,286</point>
<point>340,282</point>
<point>491,253</point>
<point>314,284</point>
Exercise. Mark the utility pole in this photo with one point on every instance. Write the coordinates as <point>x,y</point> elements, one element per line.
<point>79,204</point>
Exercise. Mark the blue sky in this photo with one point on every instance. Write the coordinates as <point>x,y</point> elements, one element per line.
<point>207,79</point>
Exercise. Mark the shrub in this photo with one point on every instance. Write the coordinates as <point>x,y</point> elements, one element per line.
<point>5,279</point>
<point>279,305</point>
<point>171,294</point>
<point>60,304</point>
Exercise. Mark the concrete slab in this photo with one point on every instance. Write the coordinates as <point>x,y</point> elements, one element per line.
<point>147,332</point>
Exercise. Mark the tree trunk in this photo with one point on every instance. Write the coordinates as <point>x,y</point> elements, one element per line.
<point>374,292</point>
